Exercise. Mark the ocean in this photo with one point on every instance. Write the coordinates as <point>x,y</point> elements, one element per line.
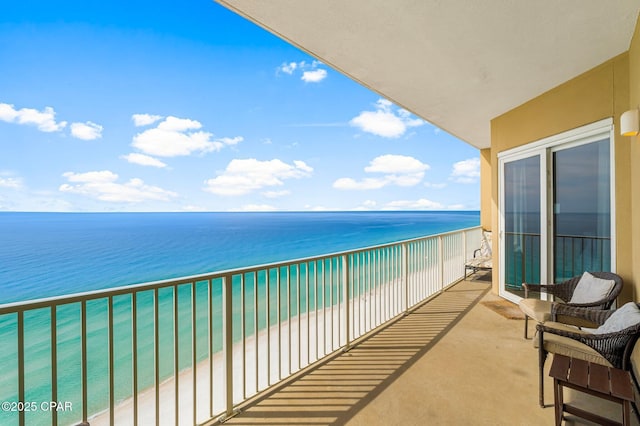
<point>50,254</point>
<point>53,254</point>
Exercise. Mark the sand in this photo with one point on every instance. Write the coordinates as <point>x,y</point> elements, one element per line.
<point>367,312</point>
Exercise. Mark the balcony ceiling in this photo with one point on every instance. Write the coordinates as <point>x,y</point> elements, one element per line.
<point>455,63</point>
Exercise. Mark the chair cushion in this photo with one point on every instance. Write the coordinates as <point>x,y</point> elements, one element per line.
<point>626,316</point>
<point>480,262</point>
<point>539,310</point>
<point>485,244</point>
<point>591,289</point>
<point>569,347</point>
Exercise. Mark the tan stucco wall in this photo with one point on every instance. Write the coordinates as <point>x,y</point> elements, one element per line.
<point>634,159</point>
<point>599,93</point>
<point>485,189</point>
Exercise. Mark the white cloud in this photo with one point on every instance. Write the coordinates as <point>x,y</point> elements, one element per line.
<point>435,185</point>
<point>466,171</point>
<point>398,170</point>
<point>288,68</point>
<point>44,120</point>
<point>276,194</point>
<point>10,182</point>
<point>86,131</point>
<point>421,204</point>
<point>384,121</point>
<point>391,163</point>
<point>175,124</point>
<point>408,179</point>
<point>364,184</point>
<point>310,71</point>
<point>102,185</point>
<point>409,120</point>
<point>314,76</point>
<point>145,119</point>
<point>230,141</point>
<point>179,137</point>
<point>103,176</point>
<point>143,160</point>
<point>302,166</point>
<point>243,176</point>
<point>379,123</point>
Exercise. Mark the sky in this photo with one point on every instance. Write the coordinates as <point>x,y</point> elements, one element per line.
<point>185,106</point>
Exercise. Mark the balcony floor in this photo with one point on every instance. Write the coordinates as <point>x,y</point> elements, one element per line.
<point>452,361</point>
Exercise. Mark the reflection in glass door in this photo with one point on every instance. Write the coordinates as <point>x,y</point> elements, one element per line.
<point>522,217</point>
<point>581,209</point>
<point>556,208</point>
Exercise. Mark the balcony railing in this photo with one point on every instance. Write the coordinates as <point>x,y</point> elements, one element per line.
<point>522,259</point>
<point>185,351</point>
<point>573,254</point>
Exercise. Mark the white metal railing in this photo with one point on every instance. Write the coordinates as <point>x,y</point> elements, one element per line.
<point>188,350</point>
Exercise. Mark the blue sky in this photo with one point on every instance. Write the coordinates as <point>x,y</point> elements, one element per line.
<point>185,106</point>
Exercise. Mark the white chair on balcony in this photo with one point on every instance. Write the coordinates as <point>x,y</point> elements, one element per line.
<point>482,257</point>
<point>595,290</point>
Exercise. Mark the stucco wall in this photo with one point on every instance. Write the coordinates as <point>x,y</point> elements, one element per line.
<point>634,146</point>
<point>599,93</point>
<point>485,189</point>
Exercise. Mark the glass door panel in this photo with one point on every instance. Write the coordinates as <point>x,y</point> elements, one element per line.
<point>581,209</point>
<point>522,217</point>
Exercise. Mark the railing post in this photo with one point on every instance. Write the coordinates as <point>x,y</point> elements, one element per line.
<point>227,343</point>
<point>346,294</point>
<point>83,355</point>
<point>20,331</point>
<point>441,262</point>
<point>464,252</point>
<point>405,276</point>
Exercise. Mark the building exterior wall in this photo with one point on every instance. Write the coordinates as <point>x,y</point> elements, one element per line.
<point>485,189</point>
<point>634,159</point>
<point>599,93</point>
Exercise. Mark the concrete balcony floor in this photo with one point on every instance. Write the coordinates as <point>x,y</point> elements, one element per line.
<point>452,361</point>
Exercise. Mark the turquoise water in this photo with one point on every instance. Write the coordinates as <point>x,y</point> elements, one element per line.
<point>52,254</point>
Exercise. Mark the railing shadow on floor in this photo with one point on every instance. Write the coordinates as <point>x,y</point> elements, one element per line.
<point>334,391</point>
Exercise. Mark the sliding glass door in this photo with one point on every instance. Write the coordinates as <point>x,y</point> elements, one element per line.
<point>522,217</point>
<point>581,209</point>
<point>556,209</point>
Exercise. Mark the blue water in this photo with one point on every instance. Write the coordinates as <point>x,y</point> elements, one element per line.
<point>49,254</point>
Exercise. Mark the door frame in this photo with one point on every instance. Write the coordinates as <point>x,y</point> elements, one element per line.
<point>544,149</point>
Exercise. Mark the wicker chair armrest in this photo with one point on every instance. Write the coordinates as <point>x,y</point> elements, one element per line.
<point>614,347</point>
<point>542,327</point>
<point>596,316</point>
<point>602,304</point>
<point>539,288</point>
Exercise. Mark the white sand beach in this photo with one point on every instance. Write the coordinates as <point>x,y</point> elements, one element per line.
<point>286,346</point>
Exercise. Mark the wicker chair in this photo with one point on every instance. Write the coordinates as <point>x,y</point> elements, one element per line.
<point>610,349</point>
<point>540,310</point>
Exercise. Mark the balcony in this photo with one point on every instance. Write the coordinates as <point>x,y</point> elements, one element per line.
<point>452,361</point>
<point>387,334</point>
